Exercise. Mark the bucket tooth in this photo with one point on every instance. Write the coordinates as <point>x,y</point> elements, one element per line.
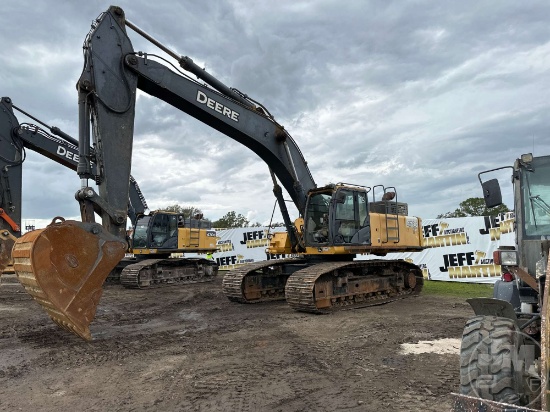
<point>6,245</point>
<point>63,268</point>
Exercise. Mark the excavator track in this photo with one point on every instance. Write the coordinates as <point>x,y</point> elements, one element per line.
<point>326,287</point>
<point>150,273</point>
<point>257,282</point>
<point>63,268</point>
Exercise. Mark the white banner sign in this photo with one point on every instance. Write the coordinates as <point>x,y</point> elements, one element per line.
<point>457,249</point>
<point>461,249</point>
<point>243,245</point>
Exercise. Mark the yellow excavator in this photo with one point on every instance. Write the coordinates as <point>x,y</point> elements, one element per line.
<point>155,238</point>
<point>70,260</point>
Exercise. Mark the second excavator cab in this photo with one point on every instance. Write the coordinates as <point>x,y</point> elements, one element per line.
<point>172,231</point>
<point>158,230</point>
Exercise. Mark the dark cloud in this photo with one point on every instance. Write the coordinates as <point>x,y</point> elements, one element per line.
<point>418,94</point>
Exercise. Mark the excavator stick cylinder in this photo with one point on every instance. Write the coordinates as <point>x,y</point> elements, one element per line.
<point>63,268</point>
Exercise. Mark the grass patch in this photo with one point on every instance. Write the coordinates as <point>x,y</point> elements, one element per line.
<point>457,289</point>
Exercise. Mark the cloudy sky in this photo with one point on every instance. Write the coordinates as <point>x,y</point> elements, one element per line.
<point>419,95</point>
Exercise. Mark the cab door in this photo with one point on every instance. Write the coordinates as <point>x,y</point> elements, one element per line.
<point>350,218</point>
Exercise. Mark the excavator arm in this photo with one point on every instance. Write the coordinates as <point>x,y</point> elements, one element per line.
<point>107,90</point>
<point>56,145</point>
<point>65,151</point>
<point>10,184</point>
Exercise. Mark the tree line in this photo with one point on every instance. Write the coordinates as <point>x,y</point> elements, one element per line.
<point>474,206</point>
<point>229,220</point>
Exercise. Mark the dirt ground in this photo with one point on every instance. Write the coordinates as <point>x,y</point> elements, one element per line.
<point>187,348</point>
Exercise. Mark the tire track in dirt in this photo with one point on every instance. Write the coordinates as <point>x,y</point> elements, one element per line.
<point>191,349</point>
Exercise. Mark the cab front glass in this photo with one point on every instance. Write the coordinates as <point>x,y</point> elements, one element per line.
<point>535,194</point>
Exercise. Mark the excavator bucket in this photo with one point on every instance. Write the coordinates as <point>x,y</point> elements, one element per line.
<point>63,268</point>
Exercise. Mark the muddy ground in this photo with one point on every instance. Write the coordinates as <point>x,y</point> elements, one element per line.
<point>187,348</point>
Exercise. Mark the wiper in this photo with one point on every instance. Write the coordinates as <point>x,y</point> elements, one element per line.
<point>540,203</point>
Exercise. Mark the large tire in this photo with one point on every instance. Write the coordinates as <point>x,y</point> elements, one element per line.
<point>488,357</point>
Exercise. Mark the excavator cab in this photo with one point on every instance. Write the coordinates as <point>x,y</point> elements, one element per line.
<point>337,215</point>
<point>156,231</point>
<point>344,219</point>
<point>167,231</point>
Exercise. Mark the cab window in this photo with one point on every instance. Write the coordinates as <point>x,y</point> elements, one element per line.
<point>345,218</point>
<point>317,218</point>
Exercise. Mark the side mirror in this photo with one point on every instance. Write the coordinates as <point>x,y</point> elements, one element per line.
<point>491,193</point>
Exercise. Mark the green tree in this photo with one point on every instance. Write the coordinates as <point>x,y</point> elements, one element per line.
<point>231,219</point>
<point>474,206</point>
<point>187,211</point>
